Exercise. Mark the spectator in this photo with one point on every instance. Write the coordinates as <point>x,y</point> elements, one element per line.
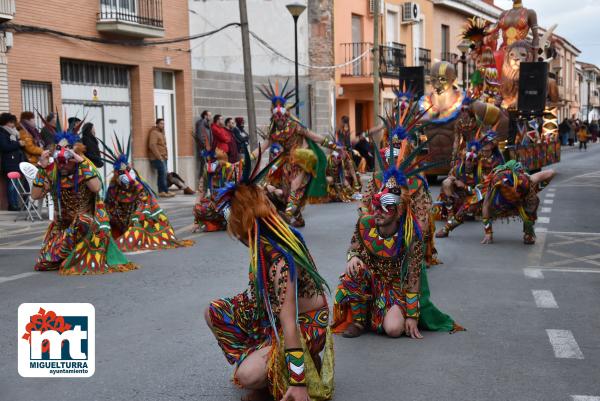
<point>92,150</point>
<point>583,136</point>
<point>234,150</point>
<point>572,131</point>
<point>223,138</point>
<point>11,154</point>
<point>563,131</point>
<point>49,130</point>
<point>239,134</point>
<point>594,130</point>
<point>157,149</point>
<point>31,137</point>
<point>204,139</point>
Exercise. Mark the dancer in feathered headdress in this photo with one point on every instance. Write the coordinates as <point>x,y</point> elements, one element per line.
<point>276,332</point>
<point>384,288</point>
<point>300,172</point>
<point>455,200</point>
<point>137,221</point>
<point>78,241</point>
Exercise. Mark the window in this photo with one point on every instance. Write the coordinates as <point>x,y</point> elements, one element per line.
<point>163,80</point>
<point>37,96</point>
<point>392,27</point>
<point>94,74</point>
<point>445,41</point>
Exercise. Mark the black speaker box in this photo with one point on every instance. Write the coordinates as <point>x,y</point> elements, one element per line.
<point>413,78</point>
<point>533,88</point>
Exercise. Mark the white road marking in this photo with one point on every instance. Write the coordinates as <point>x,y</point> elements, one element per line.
<point>552,189</point>
<point>584,398</point>
<point>546,210</point>
<point>17,277</point>
<point>572,233</point>
<point>548,201</point>
<point>541,229</point>
<point>533,273</point>
<point>550,195</point>
<point>543,220</point>
<point>564,344</point>
<point>19,248</point>
<point>544,299</point>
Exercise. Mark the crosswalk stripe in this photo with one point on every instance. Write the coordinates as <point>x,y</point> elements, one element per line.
<point>543,220</point>
<point>544,299</point>
<point>533,273</point>
<point>564,344</point>
<point>548,201</point>
<point>584,398</point>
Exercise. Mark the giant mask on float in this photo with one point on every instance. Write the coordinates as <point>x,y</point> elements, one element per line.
<point>443,77</point>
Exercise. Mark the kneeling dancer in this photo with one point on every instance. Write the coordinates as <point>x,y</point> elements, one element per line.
<point>385,287</point>
<point>276,332</point>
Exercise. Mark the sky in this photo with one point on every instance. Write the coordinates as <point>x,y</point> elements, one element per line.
<point>578,22</point>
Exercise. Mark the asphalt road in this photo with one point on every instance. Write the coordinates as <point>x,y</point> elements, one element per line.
<point>532,312</point>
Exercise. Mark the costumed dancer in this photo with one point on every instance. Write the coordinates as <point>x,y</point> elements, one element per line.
<point>137,221</point>
<point>510,192</point>
<point>342,181</point>
<point>470,171</point>
<point>385,288</point>
<point>300,172</point>
<point>402,127</point>
<point>218,173</point>
<point>276,332</point>
<point>78,240</point>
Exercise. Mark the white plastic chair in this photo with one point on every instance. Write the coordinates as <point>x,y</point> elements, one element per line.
<point>30,171</point>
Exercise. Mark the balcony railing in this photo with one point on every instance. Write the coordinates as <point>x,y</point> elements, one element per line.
<point>142,18</point>
<point>362,67</point>
<point>7,10</point>
<point>391,58</point>
<point>452,58</point>
<point>424,59</point>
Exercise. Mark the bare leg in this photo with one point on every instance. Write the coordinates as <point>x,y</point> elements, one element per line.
<point>251,374</point>
<point>393,322</point>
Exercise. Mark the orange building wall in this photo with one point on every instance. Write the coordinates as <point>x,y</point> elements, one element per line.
<point>36,57</point>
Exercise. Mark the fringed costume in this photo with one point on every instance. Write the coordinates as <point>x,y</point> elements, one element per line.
<point>78,240</point>
<point>342,181</point>
<point>219,172</point>
<point>137,221</point>
<point>280,265</point>
<point>393,268</point>
<point>301,158</point>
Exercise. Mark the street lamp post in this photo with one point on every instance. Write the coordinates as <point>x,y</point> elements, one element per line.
<point>296,9</point>
<point>464,47</point>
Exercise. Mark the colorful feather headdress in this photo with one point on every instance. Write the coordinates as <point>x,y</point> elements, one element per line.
<point>280,99</point>
<point>253,220</point>
<point>475,29</point>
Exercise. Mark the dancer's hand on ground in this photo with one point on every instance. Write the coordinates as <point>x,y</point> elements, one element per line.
<point>354,266</point>
<point>411,329</point>
<point>295,393</point>
<point>488,239</point>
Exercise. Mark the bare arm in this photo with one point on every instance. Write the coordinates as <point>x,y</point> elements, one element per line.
<point>94,185</point>
<point>533,23</point>
<point>263,148</point>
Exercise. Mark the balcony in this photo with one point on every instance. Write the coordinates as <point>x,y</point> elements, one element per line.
<point>362,67</point>
<point>391,58</point>
<point>452,58</point>
<point>135,18</point>
<point>424,59</point>
<point>7,10</point>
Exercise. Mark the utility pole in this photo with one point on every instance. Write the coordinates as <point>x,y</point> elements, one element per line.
<point>376,78</point>
<point>248,74</point>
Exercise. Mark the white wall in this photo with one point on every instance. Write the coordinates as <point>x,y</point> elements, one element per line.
<point>269,19</point>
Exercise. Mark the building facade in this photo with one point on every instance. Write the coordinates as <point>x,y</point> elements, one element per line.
<point>412,33</point>
<point>589,89</point>
<point>563,69</point>
<point>98,64</point>
<point>217,63</point>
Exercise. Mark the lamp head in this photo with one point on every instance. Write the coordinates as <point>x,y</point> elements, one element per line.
<point>296,9</point>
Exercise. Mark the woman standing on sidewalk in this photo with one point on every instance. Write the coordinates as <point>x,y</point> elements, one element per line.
<point>583,136</point>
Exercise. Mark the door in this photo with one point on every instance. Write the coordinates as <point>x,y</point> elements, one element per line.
<point>164,108</point>
<point>357,45</point>
<point>358,118</point>
<point>418,41</point>
<point>392,26</point>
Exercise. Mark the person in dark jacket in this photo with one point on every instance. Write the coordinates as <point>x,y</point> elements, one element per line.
<point>92,150</point>
<point>11,154</point>
<point>49,131</point>
<point>239,134</point>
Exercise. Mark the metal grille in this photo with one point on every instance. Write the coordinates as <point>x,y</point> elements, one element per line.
<point>391,59</point>
<point>424,59</point>
<point>7,7</point>
<point>143,12</point>
<point>94,74</point>
<point>362,67</point>
<point>37,96</point>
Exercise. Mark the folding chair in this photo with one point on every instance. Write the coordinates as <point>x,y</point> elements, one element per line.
<point>25,200</point>
<point>30,171</point>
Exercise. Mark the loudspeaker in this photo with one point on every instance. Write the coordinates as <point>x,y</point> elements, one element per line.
<point>533,88</point>
<point>413,78</point>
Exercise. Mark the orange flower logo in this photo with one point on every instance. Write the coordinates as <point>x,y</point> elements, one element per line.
<point>44,321</point>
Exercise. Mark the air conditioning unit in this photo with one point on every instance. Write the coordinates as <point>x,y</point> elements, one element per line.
<point>411,12</point>
<point>372,7</point>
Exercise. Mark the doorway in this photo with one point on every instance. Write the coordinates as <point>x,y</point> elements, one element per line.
<point>358,118</point>
<point>164,107</point>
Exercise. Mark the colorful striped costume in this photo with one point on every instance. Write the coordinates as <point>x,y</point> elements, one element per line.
<point>392,276</point>
<point>78,241</point>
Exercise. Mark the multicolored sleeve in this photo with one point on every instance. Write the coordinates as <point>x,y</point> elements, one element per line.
<point>88,170</point>
<point>354,249</point>
<point>40,178</point>
<point>413,280</point>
